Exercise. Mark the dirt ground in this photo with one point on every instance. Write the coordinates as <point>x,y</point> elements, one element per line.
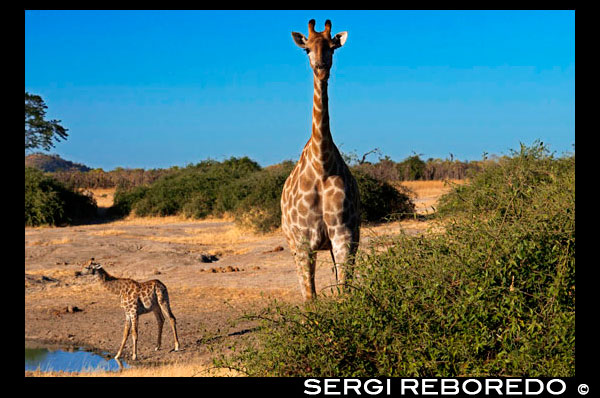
<point>213,270</point>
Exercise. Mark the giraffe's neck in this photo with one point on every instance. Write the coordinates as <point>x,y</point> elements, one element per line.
<point>321,142</point>
<point>109,282</point>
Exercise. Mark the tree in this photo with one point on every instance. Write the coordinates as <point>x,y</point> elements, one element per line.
<point>412,168</point>
<point>38,131</point>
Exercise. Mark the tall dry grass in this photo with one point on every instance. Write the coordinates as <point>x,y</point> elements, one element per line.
<point>426,194</point>
<point>429,188</point>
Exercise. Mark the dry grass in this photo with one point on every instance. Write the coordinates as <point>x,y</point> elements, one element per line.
<point>133,219</point>
<point>236,296</point>
<point>427,193</point>
<point>50,242</point>
<point>104,196</point>
<point>57,273</point>
<point>430,188</point>
<point>394,228</point>
<point>226,237</point>
<point>107,232</point>
<point>189,369</point>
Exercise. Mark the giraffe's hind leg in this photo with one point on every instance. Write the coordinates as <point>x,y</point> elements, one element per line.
<point>344,253</point>
<point>305,267</point>
<point>163,301</point>
<point>134,335</point>
<point>160,320</point>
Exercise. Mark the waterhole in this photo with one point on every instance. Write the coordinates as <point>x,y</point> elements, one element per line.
<point>72,359</point>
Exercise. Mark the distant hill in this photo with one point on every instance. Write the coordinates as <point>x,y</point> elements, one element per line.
<point>52,163</point>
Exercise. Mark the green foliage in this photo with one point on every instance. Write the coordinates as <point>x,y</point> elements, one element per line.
<point>47,201</point>
<point>236,186</point>
<point>38,131</point>
<point>125,199</point>
<point>192,191</point>
<point>241,188</point>
<point>259,206</point>
<point>380,201</point>
<point>492,295</point>
<point>411,168</point>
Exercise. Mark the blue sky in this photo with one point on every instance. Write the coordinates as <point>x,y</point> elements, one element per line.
<point>155,89</point>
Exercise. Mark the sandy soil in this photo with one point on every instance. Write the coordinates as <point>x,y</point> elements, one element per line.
<point>66,309</point>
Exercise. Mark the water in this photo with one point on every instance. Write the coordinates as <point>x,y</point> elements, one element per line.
<point>69,360</point>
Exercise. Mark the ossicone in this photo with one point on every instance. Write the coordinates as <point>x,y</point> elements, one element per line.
<point>328,28</point>
<point>311,27</point>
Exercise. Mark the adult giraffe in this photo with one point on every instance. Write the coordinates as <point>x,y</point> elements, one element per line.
<point>320,199</point>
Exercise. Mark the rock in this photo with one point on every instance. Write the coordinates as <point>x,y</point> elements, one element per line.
<point>229,268</point>
<point>276,249</point>
<point>208,258</point>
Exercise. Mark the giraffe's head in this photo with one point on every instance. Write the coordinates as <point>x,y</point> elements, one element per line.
<point>91,267</point>
<point>320,47</point>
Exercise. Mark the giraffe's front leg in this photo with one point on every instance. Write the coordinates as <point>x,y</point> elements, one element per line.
<point>125,336</point>
<point>134,335</point>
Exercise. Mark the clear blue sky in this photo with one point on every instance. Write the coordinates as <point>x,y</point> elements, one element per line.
<point>155,89</point>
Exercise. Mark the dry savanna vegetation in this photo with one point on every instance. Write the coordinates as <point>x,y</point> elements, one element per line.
<point>247,270</point>
<point>486,266</point>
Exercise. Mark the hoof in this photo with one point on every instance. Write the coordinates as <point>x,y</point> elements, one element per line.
<point>156,348</point>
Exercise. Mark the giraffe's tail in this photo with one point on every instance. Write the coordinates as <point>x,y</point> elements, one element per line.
<point>334,266</point>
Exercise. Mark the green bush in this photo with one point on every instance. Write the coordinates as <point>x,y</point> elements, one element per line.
<point>380,201</point>
<point>242,188</point>
<point>492,295</point>
<point>48,201</point>
<point>199,205</point>
<point>124,200</point>
<point>192,191</point>
<point>259,206</point>
<point>411,168</point>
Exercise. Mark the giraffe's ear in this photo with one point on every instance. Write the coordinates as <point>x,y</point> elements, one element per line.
<point>339,39</point>
<point>299,39</point>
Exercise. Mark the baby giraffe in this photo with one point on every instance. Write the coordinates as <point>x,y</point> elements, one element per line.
<point>137,298</point>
